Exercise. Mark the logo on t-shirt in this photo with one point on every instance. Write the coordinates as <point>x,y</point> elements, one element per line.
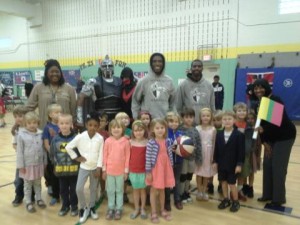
<point>157,90</point>
<point>197,95</point>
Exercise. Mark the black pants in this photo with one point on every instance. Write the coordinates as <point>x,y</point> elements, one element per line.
<point>68,191</point>
<point>51,179</point>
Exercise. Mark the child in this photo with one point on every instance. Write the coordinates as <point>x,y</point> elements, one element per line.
<point>18,113</point>
<point>90,147</point>
<point>115,168</point>
<point>188,166</point>
<point>103,125</point>
<point>207,133</point>
<point>51,129</point>
<point>64,167</point>
<point>104,133</point>
<point>174,121</point>
<point>31,160</point>
<point>137,172</point>
<point>217,121</point>
<point>240,110</point>
<point>124,118</point>
<point>2,112</point>
<point>145,117</point>
<point>252,152</point>
<point>228,159</point>
<point>159,171</point>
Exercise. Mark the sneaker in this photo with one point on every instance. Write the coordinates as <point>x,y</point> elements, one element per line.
<point>188,197</point>
<point>110,214</point>
<point>235,206</point>
<point>241,196</point>
<point>83,215</point>
<point>224,204</point>
<point>184,198</point>
<point>17,201</point>
<point>74,211</point>
<point>205,197</point>
<point>93,213</point>
<point>210,188</point>
<point>199,196</point>
<point>64,211</point>
<point>250,193</point>
<point>53,201</point>
<point>125,198</point>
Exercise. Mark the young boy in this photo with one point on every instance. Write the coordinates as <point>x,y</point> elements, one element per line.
<point>240,110</point>
<point>18,113</point>
<point>217,120</point>
<point>64,167</point>
<point>228,159</point>
<point>51,129</point>
<point>188,164</point>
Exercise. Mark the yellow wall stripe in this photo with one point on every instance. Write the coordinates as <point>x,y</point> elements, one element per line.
<point>188,55</point>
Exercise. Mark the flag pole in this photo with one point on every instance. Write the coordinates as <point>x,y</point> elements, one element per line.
<point>257,124</point>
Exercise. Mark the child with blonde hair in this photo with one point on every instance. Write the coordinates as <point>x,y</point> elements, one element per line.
<point>31,160</point>
<point>124,118</point>
<point>115,168</point>
<point>159,161</point>
<point>207,133</point>
<point>137,172</point>
<point>51,129</point>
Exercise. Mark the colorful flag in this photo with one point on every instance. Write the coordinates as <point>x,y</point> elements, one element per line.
<point>270,111</point>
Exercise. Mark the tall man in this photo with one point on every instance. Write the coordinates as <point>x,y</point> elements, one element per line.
<point>154,93</point>
<point>195,91</point>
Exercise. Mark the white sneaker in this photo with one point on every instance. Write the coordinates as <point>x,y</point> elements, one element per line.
<point>205,197</point>
<point>199,196</point>
<point>83,215</point>
<point>93,213</point>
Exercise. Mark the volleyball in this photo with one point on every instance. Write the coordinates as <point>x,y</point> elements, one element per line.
<point>184,146</point>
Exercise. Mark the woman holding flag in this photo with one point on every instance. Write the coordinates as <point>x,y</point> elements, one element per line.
<point>277,134</point>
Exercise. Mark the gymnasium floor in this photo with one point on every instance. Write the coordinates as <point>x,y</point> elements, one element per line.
<point>251,212</point>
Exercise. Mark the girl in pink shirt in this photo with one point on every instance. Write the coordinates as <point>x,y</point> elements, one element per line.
<point>115,168</point>
<point>137,167</point>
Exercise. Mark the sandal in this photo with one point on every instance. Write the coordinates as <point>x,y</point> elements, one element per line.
<point>118,214</point>
<point>41,204</point>
<point>30,208</point>
<point>154,218</point>
<point>166,215</point>
<point>144,215</point>
<point>110,214</point>
<point>134,214</point>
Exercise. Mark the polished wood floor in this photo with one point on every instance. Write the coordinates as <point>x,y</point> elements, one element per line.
<point>195,213</point>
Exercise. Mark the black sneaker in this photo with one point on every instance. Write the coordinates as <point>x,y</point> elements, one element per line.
<point>235,206</point>
<point>64,211</point>
<point>250,193</point>
<point>210,188</point>
<point>125,198</point>
<point>74,211</point>
<point>224,204</point>
<point>17,201</point>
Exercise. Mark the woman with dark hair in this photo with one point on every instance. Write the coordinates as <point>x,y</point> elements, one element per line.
<point>52,90</point>
<point>278,142</point>
<point>128,86</point>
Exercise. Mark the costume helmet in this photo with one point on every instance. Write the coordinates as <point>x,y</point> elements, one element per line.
<point>107,67</point>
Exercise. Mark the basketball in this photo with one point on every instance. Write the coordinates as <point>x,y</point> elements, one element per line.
<point>184,146</point>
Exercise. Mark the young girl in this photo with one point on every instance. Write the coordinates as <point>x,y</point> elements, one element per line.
<point>240,110</point>
<point>252,152</point>
<point>137,168</point>
<point>145,117</point>
<point>31,159</point>
<point>90,147</point>
<point>159,171</point>
<point>124,118</point>
<point>115,168</point>
<point>207,133</point>
<point>51,129</point>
